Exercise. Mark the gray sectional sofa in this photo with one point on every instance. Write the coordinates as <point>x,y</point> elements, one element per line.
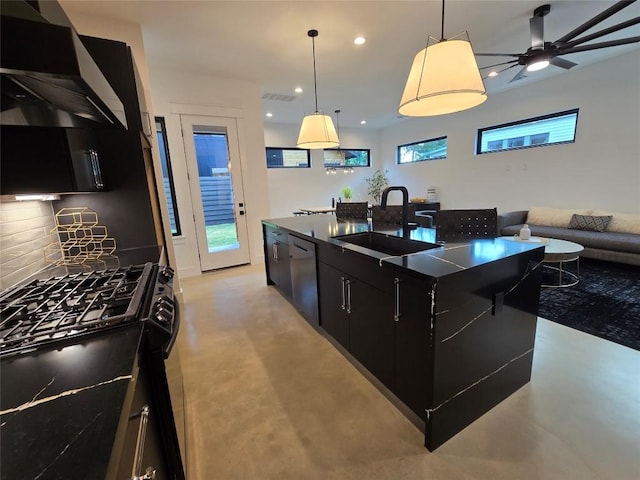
<point>620,242</point>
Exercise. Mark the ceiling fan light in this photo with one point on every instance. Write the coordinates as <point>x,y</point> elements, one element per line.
<point>444,78</point>
<point>538,65</point>
<point>317,131</point>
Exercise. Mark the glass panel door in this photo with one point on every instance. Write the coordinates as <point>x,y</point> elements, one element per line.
<point>213,159</point>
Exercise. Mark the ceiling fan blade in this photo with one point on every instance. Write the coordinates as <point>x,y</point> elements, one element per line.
<point>600,33</point>
<point>562,63</point>
<point>500,71</point>
<point>497,54</point>
<point>498,64</point>
<point>615,8</point>
<point>519,75</point>
<point>536,26</point>
<point>595,46</point>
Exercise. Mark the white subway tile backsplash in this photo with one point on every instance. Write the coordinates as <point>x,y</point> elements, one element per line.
<point>24,233</point>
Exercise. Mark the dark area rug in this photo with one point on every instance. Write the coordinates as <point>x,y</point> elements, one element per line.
<point>605,303</point>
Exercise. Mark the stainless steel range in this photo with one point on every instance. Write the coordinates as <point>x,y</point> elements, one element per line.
<point>64,308</point>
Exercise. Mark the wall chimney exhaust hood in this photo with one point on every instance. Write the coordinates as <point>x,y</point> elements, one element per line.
<point>49,79</point>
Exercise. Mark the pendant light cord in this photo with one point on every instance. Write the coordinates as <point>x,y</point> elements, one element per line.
<point>315,82</point>
<point>442,25</point>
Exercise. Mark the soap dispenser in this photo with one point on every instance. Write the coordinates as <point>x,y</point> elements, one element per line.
<point>525,232</point>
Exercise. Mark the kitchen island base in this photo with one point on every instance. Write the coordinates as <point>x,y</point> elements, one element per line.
<point>445,334</point>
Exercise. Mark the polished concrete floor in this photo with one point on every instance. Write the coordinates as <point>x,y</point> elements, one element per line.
<point>267,397</point>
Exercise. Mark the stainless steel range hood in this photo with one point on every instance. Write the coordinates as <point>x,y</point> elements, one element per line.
<point>49,79</point>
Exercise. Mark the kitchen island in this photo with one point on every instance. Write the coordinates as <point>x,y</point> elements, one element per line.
<point>446,331</point>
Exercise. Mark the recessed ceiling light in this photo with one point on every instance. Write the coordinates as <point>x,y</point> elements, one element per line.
<point>493,73</point>
<point>298,90</point>
<point>359,40</point>
<point>269,114</point>
<point>363,122</point>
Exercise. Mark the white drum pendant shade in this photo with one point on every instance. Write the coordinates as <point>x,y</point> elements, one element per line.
<point>444,78</point>
<point>317,131</point>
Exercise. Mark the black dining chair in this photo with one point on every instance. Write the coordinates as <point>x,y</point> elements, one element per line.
<point>392,214</point>
<point>352,210</point>
<point>456,225</point>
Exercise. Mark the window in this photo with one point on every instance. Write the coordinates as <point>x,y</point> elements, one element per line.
<point>167,176</point>
<point>288,158</point>
<point>334,157</point>
<point>533,132</point>
<point>420,151</point>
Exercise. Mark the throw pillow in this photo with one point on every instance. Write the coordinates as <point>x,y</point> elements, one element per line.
<point>621,222</point>
<point>552,217</point>
<point>589,222</point>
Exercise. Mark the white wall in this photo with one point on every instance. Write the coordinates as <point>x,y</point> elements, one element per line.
<point>600,170</point>
<point>179,92</point>
<point>293,188</point>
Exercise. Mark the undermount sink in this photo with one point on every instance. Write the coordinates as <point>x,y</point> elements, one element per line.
<point>389,244</point>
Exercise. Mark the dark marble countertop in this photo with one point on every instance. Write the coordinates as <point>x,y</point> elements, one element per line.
<point>61,406</point>
<point>436,262</point>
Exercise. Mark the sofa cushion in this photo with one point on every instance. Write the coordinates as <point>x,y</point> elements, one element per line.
<point>621,242</point>
<point>622,222</point>
<point>553,217</point>
<point>589,222</point>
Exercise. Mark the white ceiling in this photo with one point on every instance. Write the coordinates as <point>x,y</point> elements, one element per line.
<point>266,42</point>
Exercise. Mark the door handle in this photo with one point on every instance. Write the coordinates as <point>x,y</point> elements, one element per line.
<point>348,296</point>
<point>150,472</point>
<point>344,303</point>
<point>396,314</point>
<point>95,169</point>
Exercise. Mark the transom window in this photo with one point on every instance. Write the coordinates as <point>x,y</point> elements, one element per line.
<point>549,129</point>
<point>433,149</point>
<point>343,157</point>
<point>288,158</point>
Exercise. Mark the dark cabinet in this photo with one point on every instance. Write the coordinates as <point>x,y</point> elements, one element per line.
<point>371,329</point>
<point>382,316</point>
<point>129,207</point>
<point>142,451</point>
<point>334,317</point>
<point>278,259</point>
<point>360,318</point>
<point>50,160</point>
<point>413,363</point>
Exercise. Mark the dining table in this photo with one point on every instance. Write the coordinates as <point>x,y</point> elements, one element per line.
<point>316,210</point>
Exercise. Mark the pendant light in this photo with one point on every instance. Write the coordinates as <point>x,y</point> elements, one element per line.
<point>341,155</point>
<point>317,130</point>
<point>444,78</point>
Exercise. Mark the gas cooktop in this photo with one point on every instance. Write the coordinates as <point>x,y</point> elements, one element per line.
<point>65,307</point>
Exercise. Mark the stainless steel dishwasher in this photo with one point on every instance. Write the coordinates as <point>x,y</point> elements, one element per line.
<point>304,280</point>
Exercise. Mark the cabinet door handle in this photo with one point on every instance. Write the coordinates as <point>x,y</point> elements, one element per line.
<point>150,472</point>
<point>344,303</point>
<point>275,252</point>
<point>348,296</point>
<point>95,169</point>
<point>396,314</point>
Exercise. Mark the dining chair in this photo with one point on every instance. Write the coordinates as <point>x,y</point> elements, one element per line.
<point>453,225</point>
<point>392,214</point>
<point>352,210</point>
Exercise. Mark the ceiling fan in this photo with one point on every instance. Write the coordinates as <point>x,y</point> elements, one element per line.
<point>541,53</point>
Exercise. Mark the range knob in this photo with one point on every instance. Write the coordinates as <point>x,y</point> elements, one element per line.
<point>166,274</point>
<point>163,316</point>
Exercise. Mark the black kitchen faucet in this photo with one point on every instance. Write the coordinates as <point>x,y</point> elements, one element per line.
<point>405,207</point>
